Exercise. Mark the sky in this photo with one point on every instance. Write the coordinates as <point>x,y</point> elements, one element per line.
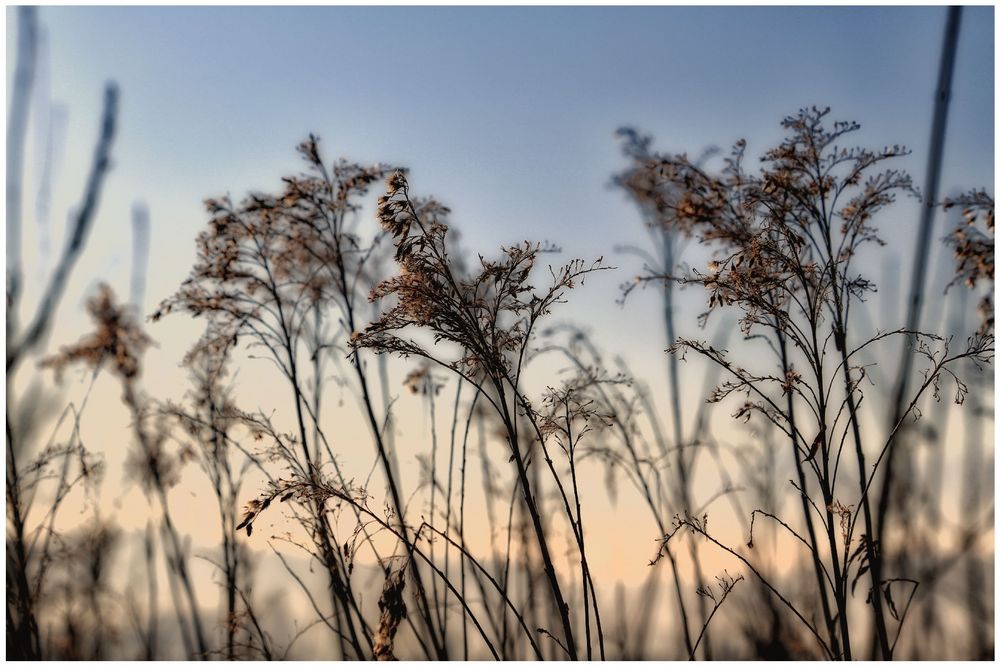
<point>507,115</point>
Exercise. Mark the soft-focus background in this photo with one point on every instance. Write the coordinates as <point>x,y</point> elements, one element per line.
<point>508,116</point>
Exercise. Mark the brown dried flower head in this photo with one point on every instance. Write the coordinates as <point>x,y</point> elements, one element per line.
<point>488,315</point>
<point>118,340</point>
<point>973,242</point>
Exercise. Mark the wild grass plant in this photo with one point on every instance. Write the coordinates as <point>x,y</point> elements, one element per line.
<point>479,533</point>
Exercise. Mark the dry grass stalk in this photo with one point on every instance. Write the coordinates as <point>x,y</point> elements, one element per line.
<point>393,610</point>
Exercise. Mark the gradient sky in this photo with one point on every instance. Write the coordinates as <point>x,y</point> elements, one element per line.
<point>505,114</point>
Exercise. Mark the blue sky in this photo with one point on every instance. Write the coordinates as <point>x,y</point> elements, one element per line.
<point>506,114</point>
